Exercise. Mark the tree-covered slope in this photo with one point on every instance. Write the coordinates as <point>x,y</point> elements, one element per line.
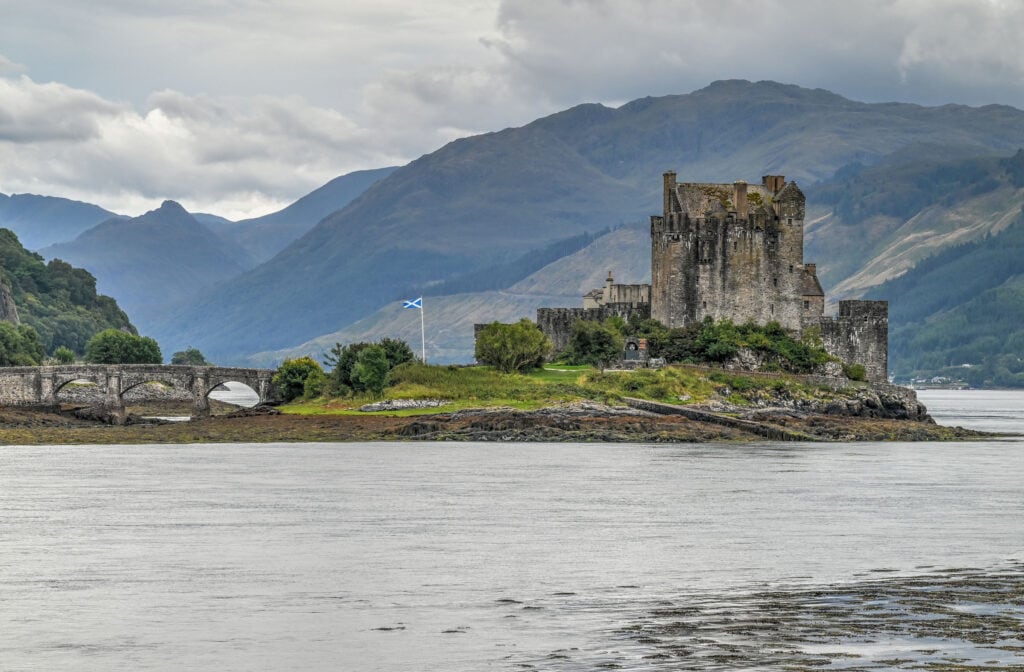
<point>964,305</point>
<point>483,201</point>
<point>59,301</point>
<point>869,224</point>
<point>39,221</point>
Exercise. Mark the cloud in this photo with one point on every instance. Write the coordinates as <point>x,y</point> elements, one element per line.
<point>231,155</point>
<point>241,106</point>
<point>31,112</point>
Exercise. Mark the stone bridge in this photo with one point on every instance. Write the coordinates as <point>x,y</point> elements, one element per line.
<point>39,385</point>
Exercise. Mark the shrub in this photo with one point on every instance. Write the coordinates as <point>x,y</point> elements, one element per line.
<point>855,372</point>
<point>113,346</point>
<point>512,348</point>
<point>342,360</point>
<point>593,343</point>
<point>189,357</point>
<point>64,355</point>
<point>370,371</point>
<point>291,376</point>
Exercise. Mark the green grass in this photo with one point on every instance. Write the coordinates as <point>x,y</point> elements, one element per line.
<point>481,386</point>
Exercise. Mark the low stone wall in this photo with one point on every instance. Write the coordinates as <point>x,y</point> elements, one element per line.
<point>698,415</point>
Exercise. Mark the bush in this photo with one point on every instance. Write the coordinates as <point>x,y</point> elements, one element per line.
<point>291,376</point>
<point>64,355</point>
<point>855,372</point>
<point>113,346</point>
<point>593,343</point>
<point>370,371</point>
<point>512,348</point>
<point>343,358</point>
<point>189,357</point>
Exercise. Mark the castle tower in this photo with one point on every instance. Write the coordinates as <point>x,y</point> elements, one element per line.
<point>730,251</point>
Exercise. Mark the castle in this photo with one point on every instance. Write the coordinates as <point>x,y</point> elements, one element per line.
<point>734,251</point>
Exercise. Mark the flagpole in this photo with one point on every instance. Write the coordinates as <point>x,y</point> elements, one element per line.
<point>423,334</point>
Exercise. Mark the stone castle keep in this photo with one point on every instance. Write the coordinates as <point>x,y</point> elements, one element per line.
<point>734,251</point>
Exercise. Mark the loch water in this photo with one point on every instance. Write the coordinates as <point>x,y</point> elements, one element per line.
<point>466,556</point>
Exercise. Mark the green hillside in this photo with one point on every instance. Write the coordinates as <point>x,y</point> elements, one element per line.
<point>963,306</point>
<point>56,299</point>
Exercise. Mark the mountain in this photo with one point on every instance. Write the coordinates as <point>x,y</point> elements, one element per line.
<point>960,312</point>
<point>480,202</point>
<point>59,301</point>
<point>869,224</point>
<point>39,221</point>
<point>449,319</point>
<point>152,261</point>
<point>263,237</point>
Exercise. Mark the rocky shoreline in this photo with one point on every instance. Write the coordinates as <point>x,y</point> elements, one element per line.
<point>572,422</point>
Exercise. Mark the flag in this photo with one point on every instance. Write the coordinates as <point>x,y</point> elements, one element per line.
<point>413,303</point>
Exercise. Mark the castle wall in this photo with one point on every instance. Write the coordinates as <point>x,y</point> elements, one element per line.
<point>627,294</point>
<point>860,335</point>
<point>557,323</point>
<point>726,267</point>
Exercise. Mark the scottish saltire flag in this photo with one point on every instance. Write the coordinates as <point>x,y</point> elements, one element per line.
<point>413,303</point>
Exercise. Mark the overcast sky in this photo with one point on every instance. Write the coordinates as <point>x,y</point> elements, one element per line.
<point>237,107</point>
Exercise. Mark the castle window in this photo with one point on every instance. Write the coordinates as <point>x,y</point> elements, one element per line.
<point>775,282</point>
<point>771,308</point>
<point>807,304</point>
<point>791,268</point>
<point>734,244</point>
<point>704,304</point>
<point>789,221</point>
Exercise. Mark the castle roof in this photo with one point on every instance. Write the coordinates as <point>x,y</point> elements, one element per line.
<point>594,294</point>
<point>810,284</point>
<point>790,192</point>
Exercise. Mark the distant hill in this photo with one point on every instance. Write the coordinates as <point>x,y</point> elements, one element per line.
<point>263,237</point>
<point>59,301</point>
<point>962,306</point>
<point>39,221</point>
<point>869,224</point>
<point>450,317</point>
<point>152,261</point>
<point>481,202</point>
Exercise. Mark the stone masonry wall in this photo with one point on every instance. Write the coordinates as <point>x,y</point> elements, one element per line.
<point>860,335</point>
<point>557,323</point>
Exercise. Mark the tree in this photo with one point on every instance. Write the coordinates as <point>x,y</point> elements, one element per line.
<point>343,360</point>
<point>291,376</point>
<point>189,357</point>
<point>19,345</point>
<point>593,343</point>
<point>371,369</point>
<point>64,355</point>
<point>113,346</point>
<point>512,348</point>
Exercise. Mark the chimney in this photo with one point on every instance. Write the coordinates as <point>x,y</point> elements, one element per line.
<point>773,183</point>
<point>670,186</point>
<point>739,192</point>
<point>812,269</point>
